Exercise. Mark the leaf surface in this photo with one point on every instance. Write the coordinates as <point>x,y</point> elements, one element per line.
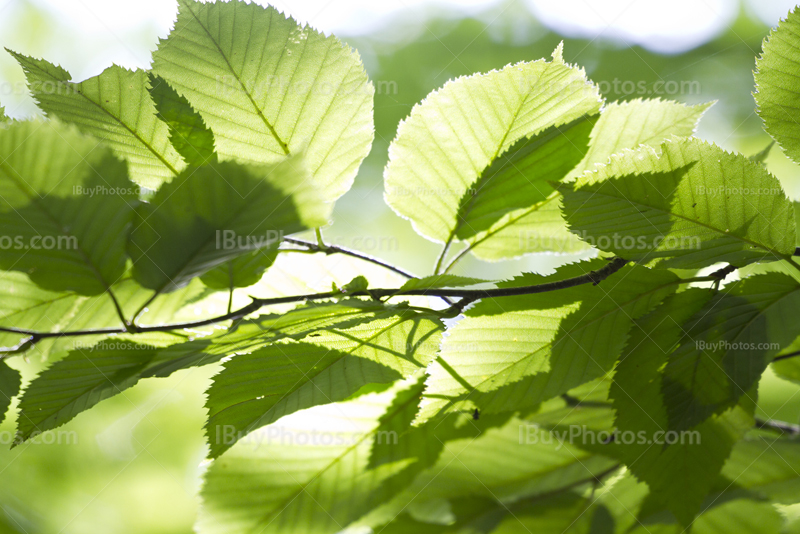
<point>269,87</point>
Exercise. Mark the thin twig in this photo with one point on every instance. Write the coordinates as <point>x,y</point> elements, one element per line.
<point>781,426</point>
<point>334,249</point>
<point>443,255</point>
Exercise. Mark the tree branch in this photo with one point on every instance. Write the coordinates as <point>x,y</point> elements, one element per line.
<point>470,295</point>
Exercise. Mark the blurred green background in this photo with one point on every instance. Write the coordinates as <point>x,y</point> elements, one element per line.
<point>133,464</point>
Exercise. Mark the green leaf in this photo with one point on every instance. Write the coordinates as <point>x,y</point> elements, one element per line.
<point>425,443</point>
<point>78,382</point>
<point>540,228</point>
<point>628,125</point>
<point>310,472</point>
<point>777,90</point>
<point>516,352</point>
<point>665,208</point>
<point>566,510</point>
<point>357,284</point>
<point>452,144</point>
<point>728,345</point>
<point>244,271</point>
<point>440,280</point>
<point>187,132</point>
<point>636,390</point>
<point>622,125</point>
<point>741,516</point>
<point>218,212</point>
<point>788,368</point>
<point>587,507</point>
<point>520,177</point>
<point>762,467</point>
<point>66,216</point>
<point>257,389</point>
<point>268,87</point>
<point>10,381</point>
<point>680,471</point>
<point>114,106</point>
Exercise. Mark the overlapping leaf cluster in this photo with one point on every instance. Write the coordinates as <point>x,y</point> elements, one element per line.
<point>623,401</point>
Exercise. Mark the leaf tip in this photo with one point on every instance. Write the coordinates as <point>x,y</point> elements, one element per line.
<point>558,53</point>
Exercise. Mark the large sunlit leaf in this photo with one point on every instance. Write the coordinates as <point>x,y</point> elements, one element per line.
<point>268,87</point>
<point>114,106</point>
<point>257,389</point>
<point>470,142</point>
<point>310,472</point>
<point>66,206</point>
<point>627,125</point>
<point>216,213</point>
<point>777,87</point>
<point>691,206</point>
<point>514,352</point>
<point>621,126</point>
